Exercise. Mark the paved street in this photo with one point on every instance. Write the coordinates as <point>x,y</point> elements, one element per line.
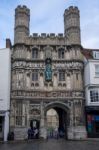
<point>52,145</point>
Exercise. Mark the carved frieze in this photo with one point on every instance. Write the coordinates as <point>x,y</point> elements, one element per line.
<point>55,65</point>
<point>46,95</point>
<point>34,110</point>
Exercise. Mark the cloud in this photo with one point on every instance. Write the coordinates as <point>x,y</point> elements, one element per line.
<point>47,16</point>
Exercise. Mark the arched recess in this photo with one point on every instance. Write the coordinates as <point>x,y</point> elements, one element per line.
<point>35,52</point>
<point>63,111</point>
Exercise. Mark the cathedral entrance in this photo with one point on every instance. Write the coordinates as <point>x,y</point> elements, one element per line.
<point>57,120</point>
<point>33,132</point>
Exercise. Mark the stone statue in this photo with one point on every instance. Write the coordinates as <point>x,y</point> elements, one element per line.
<point>48,72</point>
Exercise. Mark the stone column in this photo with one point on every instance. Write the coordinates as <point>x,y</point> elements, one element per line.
<point>74,75</point>
<point>41,81</point>
<point>41,54</point>
<point>28,80</point>
<point>43,131</point>
<point>79,126</point>
<point>55,80</point>
<point>70,127</point>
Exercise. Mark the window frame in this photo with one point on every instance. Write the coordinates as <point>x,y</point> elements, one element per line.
<point>94,95</point>
<point>96,70</point>
<point>34,53</point>
<point>35,73</point>
<point>61,53</point>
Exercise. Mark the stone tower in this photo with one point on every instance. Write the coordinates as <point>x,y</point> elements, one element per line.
<point>72,25</point>
<point>22,19</point>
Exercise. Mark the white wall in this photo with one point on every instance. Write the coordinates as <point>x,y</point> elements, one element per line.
<point>5,74</point>
<point>91,81</point>
<point>89,73</point>
<point>5,65</point>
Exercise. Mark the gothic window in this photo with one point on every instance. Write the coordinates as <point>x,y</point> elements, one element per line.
<point>35,75</point>
<point>34,53</point>
<point>19,114</point>
<point>94,95</point>
<point>61,75</point>
<point>61,53</point>
<point>97,70</point>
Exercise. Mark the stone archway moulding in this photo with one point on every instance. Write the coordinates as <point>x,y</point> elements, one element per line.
<point>58,104</point>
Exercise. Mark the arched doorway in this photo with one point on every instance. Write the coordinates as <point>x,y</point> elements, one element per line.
<point>33,131</point>
<point>61,116</point>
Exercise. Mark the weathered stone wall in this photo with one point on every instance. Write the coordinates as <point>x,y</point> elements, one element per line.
<point>29,98</point>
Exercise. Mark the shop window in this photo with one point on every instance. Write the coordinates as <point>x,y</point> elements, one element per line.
<point>61,75</point>
<point>35,75</point>
<point>94,95</point>
<point>34,53</point>
<point>97,126</point>
<point>97,70</point>
<point>61,53</point>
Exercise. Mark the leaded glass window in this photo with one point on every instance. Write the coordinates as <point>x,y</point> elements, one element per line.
<point>94,95</point>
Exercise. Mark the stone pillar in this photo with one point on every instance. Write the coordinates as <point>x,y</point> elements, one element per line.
<point>72,81</point>
<point>28,80</point>
<point>41,81</point>
<point>41,54</point>
<point>68,81</point>
<point>70,128</point>
<point>43,131</point>
<point>28,54</point>
<point>55,80</point>
<point>74,75</point>
<point>81,81</point>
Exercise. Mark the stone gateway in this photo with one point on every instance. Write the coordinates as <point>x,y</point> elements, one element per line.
<point>47,72</point>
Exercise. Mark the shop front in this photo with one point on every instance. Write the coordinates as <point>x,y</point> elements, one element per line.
<point>92,121</point>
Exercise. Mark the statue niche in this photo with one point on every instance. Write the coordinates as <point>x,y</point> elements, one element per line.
<point>48,70</point>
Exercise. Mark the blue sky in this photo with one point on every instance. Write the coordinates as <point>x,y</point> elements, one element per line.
<point>47,17</point>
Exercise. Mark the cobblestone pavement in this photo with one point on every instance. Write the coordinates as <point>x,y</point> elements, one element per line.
<point>52,145</point>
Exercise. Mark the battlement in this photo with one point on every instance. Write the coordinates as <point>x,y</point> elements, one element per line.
<point>22,9</point>
<point>46,35</point>
<point>71,9</point>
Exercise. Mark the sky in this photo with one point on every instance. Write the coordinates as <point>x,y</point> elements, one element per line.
<point>47,17</point>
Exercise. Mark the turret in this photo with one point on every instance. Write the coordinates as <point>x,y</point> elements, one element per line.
<point>72,25</point>
<point>22,19</point>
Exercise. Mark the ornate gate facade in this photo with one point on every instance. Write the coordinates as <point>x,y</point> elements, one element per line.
<point>47,71</point>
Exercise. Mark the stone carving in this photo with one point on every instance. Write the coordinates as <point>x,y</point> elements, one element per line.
<point>48,73</point>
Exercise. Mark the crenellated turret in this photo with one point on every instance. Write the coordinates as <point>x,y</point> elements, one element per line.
<point>22,19</point>
<point>72,25</point>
